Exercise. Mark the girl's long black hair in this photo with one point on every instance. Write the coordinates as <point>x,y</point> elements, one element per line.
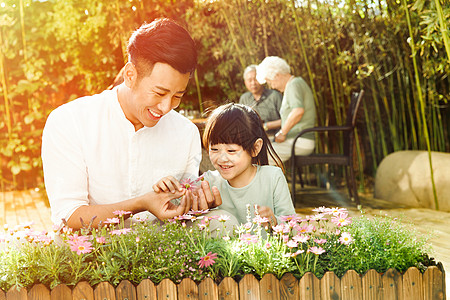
<point>239,124</point>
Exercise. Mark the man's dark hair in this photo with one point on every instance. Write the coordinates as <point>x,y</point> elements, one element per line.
<point>164,41</point>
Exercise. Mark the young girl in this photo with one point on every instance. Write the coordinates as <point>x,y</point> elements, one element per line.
<point>238,149</point>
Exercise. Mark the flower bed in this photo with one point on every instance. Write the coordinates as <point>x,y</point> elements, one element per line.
<point>327,254</point>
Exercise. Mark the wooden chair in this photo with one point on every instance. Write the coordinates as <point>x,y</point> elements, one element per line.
<point>341,159</point>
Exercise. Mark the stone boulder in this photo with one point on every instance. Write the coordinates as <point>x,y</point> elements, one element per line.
<point>404,177</point>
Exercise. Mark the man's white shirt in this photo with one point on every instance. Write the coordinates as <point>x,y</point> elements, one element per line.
<point>92,154</point>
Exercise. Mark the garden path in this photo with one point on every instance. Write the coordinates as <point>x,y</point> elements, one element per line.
<point>427,221</point>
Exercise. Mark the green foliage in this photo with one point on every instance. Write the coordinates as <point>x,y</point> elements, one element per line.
<point>379,243</point>
<point>187,248</point>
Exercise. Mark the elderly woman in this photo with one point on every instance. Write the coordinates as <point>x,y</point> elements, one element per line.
<point>297,110</point>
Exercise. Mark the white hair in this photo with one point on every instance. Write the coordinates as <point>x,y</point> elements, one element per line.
<point>270,67</point>
<point>249,69</point>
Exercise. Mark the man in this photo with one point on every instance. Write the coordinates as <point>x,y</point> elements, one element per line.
<point>103,153</point>
<point>266,102</point>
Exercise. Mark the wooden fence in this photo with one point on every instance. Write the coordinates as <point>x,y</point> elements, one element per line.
<point>411,285</point>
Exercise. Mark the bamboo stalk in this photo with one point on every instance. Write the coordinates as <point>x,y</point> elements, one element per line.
<point>5,89</point>
<point>22,23</point>
<point>421,102</point>
<point>302,46</point>
<point>199,93</point>
<point>443,28</point>
<point>122,44</point>
<point>234,39</point>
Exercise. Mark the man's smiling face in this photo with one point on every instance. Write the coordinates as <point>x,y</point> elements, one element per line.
<point>155,95</point>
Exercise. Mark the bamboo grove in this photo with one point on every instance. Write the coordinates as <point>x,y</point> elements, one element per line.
<point>53,51</point>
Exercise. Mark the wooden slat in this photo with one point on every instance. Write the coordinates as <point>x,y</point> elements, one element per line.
<point>392,285</point>
<point>126,290</point>
<point>61,292</point>
<point>249,288</point>
<point>412,284</point>
<point>351,285</point>
<point>104,291</point>
<point>269,287</point>
<point>146,290</point>
<point>208,290</point>
<point>372,285</point>
<point>289,287</point>
<point>330,286</point>
<point>433,283</point>
<point>83,291</point>
<point>166,289</point>
<point>187,289</point>
<point>39,292</point>
<point>309,286</point>
<point>16,294</point>
<point>2,295</point>
<point>228,289</point>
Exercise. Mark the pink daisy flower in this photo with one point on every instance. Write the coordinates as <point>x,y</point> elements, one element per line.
<point>120,231</point>
<point>76,238</point>
<point>306,229</point>
<point>321,209</point>
<point>101,239</point>
<point>278,228</point>
<point>301,238</point>
<point>297,253</point>
<point>112,221</point>
<point>316,250</point>
<point>292,244</point>
<point>341,219</point>
<point>289,218</point>
<point>249,238</point>
<point>121,212</point>
<point>223,218</point>
<point>80,247</point>
<point>336,211</point>
<point>346,238</point>
<point>207,260</point>
<point>259,220</point>
<point>320,241</point>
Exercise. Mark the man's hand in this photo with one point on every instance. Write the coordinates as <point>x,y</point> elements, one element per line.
<point>160,205</point>
<point>167,184</point>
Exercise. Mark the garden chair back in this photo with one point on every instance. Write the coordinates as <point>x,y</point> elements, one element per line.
<point>344,159</point>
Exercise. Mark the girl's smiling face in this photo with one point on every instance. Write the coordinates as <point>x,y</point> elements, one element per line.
<point>233,163</point>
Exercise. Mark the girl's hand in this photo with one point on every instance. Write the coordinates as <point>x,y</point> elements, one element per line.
<point>167,184</point>
<point>266,212</point>
<point>206,198</point>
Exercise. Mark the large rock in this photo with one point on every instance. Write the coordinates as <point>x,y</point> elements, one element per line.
<point>404,177</point>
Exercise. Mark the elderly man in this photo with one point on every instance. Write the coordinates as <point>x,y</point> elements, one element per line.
<point>266,102</point>
<point>103,153</point>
